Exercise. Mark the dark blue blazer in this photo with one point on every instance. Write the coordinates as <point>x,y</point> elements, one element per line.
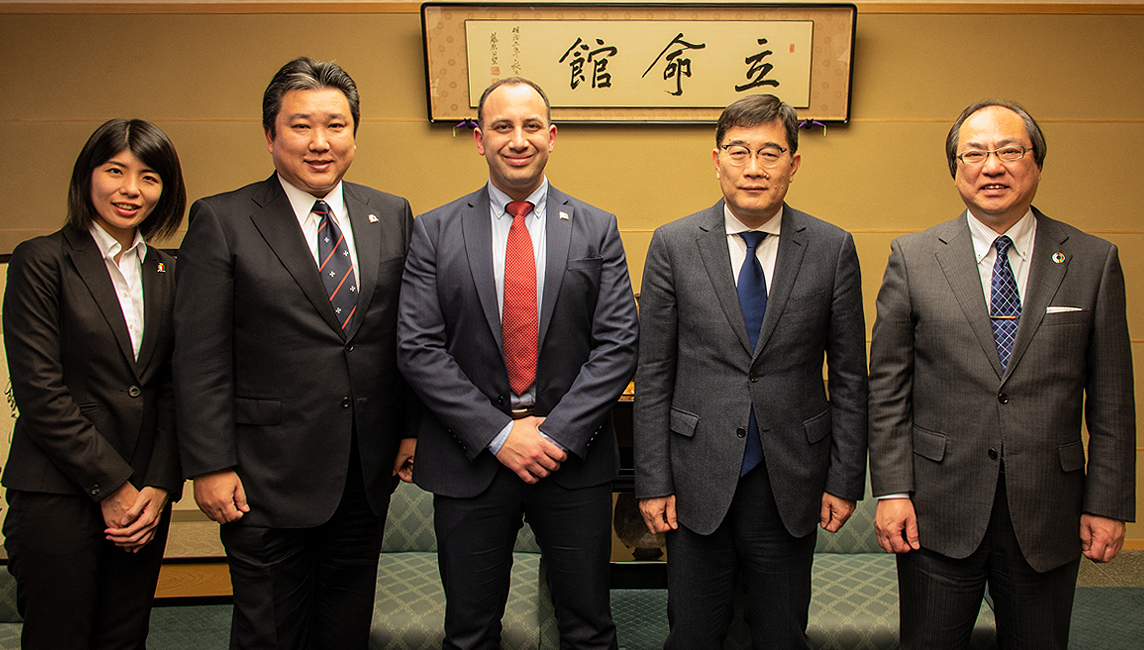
<point>450,348</point>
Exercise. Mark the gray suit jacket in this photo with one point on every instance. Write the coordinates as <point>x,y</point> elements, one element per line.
<point>450,349</point>
<point>266,380</point>
<point>698,377</point>
<point>943,413</point>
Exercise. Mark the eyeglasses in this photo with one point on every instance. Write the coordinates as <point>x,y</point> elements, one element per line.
<point>738,155</point>
<point>1004,154</point>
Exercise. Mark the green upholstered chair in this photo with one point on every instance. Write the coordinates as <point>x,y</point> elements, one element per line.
<point>409,611</point>
<point>10,621</point>
<point>854,591</point>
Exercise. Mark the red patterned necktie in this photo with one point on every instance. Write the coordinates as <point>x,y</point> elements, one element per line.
<point>519,327</point>
<point>335,265</point>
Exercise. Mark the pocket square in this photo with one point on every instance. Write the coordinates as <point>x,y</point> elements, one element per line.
<point>1061,310</point>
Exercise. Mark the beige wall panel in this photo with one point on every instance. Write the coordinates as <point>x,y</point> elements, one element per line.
<point>635,246</point>
<point>909,67</point>
<point>873,252</point>
<point>879,176</point>
<point>1130,247</point>
<point>205,67</point>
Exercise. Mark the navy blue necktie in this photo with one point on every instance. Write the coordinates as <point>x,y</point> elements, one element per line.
<point>1004,303</point>
<point>753,301</point>
<point>335,265</point>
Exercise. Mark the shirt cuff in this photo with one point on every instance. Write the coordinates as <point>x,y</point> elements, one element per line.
<point>499,440</point>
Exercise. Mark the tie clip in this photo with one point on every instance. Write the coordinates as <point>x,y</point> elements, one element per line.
<point>992,317</point>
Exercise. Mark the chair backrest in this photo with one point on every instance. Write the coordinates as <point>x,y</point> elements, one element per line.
<point>409,524</point>
<point>8,613</point>
<point>858,535</point>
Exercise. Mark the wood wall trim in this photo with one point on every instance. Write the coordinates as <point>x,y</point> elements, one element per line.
<point>367,7</point>
<point>211,8</point>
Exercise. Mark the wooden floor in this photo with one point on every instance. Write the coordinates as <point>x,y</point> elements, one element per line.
<point>198,580</point>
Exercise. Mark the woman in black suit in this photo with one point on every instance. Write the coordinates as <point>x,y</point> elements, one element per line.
<point>94,462</point>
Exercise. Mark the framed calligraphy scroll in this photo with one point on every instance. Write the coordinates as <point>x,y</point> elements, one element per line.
<point>641,63</point>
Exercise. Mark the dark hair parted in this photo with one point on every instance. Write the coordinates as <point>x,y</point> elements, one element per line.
<point>754,110</point>
<point>305,73</point>
<point>1034,130</point>
<point>512,81</point>
<point>154,149</point>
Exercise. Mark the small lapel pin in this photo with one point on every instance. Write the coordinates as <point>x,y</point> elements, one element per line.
<point>1058,257</point>
<point>564,215</point>
<point>373,218</point>
<point>162,268</point>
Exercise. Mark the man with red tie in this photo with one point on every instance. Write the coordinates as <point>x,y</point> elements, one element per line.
<point>517,328</point>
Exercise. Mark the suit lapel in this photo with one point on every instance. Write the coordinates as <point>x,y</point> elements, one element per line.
<point>958,262</point>
<point>1045,277</point>
<point>792,249</point>
<point>279,227</point>
<point>477,235</point>
<point>558,236</point>
<point>156,286</point>
<point>712,243</point>
<point>367,241</point>
<point>92,269</point>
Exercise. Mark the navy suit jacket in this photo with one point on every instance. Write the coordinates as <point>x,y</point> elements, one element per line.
<point>450,348</point>
<point>92,417</point>
<point>699,377</point>
<point>267,382</point>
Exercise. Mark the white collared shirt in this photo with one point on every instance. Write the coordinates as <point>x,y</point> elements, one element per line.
<point>767,251</point>
<point>126,277</point>
<point>303,204</point>
<point>1023,233</point>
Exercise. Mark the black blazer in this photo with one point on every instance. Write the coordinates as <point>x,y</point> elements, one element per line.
<point>91,417</point>
<point>266,380</point>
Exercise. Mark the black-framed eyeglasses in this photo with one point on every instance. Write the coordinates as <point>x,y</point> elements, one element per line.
<point>769,156</point>
<point>1011,153</point>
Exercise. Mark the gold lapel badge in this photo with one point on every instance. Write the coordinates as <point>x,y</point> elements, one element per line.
<point>564,215</point>
<point>1058,257</point>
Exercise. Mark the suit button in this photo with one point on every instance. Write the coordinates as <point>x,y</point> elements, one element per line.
<point>134,391</point>
<point>95,490</point>
<point>345,402</point>
<point>754,377</point>
<point>349,347</point>
<point>1003,398</point>
<point>500,400</point>
<point>992,454</point>
<point>741,432</point>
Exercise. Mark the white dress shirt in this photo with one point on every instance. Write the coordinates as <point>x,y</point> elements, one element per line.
<point>767,251</point>
<point>126,277</point>
<point>303,204</point>
<point>1023,233</point>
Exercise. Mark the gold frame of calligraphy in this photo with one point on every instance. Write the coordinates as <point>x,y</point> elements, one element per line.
<point>654,63</point>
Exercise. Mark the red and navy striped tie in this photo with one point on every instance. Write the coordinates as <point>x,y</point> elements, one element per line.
<point>335,265</point>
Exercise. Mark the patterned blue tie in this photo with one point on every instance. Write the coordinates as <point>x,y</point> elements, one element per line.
<point>753,301</point>
<point>335,265</point>
<point>1004,303</point>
